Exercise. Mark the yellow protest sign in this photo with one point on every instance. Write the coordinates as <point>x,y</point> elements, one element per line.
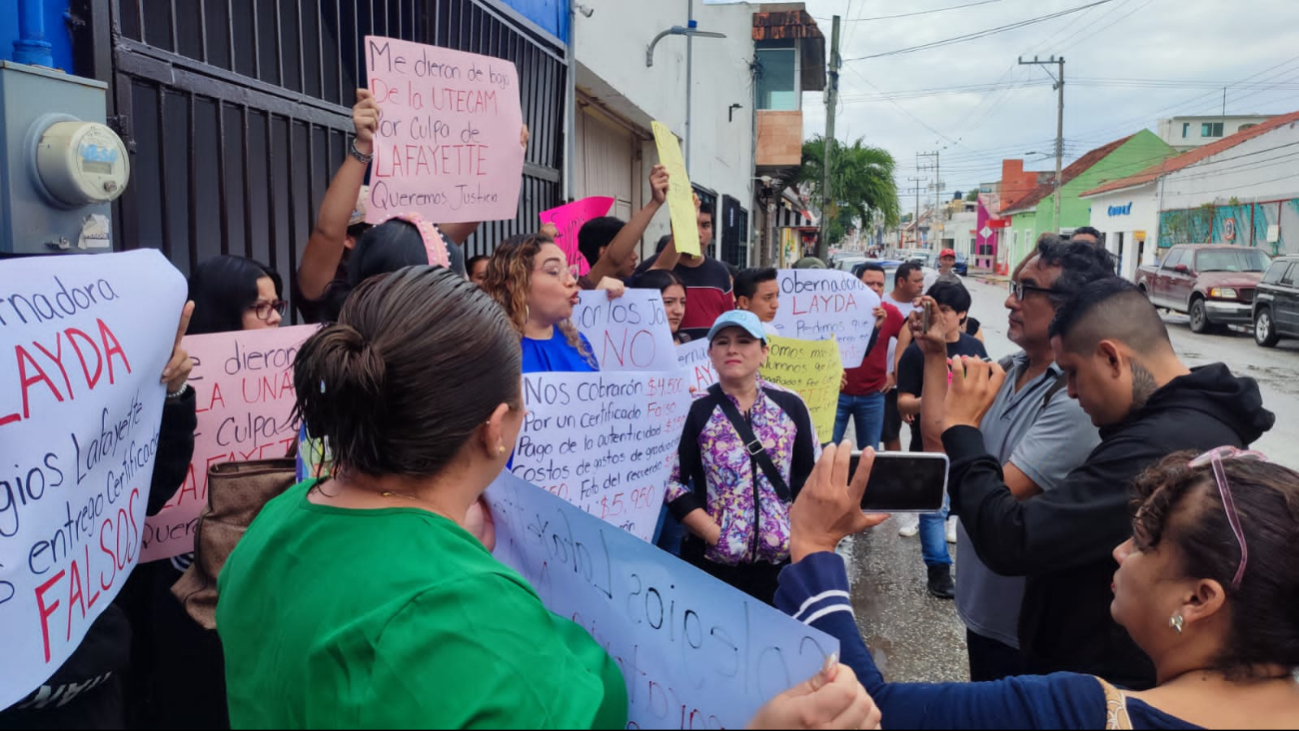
<point>681,197</point>
<point>813,370</point>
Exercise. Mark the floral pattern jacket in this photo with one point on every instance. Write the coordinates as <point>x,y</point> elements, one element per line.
<point>715,472</point>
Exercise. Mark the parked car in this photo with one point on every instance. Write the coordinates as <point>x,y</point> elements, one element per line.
<point>1213,283</point>
<point>962,265</point>
<point>1276,305</point>
<point>846,263</point>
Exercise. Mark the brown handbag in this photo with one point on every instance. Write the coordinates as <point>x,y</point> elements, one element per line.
<point>237,491</point>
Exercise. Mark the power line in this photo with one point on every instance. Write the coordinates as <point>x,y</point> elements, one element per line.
<point>922,12</point>
<point>982,33</point>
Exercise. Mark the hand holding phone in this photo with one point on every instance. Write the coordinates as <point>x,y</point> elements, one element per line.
<point>904,482</point>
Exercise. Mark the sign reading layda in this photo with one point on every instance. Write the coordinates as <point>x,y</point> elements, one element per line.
<point>243,386</point>
<point>83,340</point>
<point>694,652</point>
<point>603,441</point>
<point>448,141</point>
<point>817,304</point>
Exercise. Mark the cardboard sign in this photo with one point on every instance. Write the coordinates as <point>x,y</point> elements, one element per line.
<point>604,442</point>
<point>630,333</point>
<point>692,358</point>
<point>570,219</point>
<point>813,370</point>
<point>243,386</point>
<point>448,141</point>
<point>83,341</point>
<point>681,197</point>
<point>817,304</point>
<point>695,653</point>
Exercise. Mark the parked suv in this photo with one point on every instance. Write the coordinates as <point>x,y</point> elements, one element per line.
<point>1276,306</point>
<point>1213,283</point>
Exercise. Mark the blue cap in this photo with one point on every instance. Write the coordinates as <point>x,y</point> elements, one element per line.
<point>739,318</point>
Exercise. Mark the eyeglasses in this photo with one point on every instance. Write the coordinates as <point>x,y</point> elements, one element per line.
<point>264,309</point>
<point>1216,457</point>
<point>1019,290</point>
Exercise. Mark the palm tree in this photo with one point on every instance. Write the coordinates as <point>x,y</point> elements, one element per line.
<point>861,180</point>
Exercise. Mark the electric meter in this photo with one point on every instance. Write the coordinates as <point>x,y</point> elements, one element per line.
<point>82,163</point>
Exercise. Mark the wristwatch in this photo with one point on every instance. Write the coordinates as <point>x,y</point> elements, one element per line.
<point>362,158</point>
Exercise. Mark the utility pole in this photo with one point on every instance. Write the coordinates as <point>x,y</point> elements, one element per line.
<point>1059,124</point>
<point>831,101</point>
<point>915,222</point>
<point>938,191</point>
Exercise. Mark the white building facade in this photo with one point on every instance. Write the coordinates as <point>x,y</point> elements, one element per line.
<point>618,96</point>
<point>1129,218</point>
<point>1188,133</point>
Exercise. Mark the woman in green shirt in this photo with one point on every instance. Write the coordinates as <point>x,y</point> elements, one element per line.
<point>371,599</point>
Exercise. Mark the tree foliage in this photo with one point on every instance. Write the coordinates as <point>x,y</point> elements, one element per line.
<point>861,179</point>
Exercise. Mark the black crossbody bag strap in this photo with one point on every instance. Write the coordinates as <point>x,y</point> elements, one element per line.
<point>757,452</point>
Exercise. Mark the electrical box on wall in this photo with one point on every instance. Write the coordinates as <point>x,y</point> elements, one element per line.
<point>61,167</point>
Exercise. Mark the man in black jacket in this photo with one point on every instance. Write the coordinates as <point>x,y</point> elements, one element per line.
<point>1121,367</point>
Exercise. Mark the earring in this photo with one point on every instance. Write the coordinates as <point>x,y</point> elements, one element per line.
<point>1177,622</point>
<point>500,449</point>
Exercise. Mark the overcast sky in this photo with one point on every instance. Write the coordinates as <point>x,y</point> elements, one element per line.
<point>1251,43</point>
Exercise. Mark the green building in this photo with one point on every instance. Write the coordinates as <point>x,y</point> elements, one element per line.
<point>1033,214</point>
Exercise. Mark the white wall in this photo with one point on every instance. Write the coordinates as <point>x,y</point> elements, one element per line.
<point>1142,216</point>
<point>610,50</point>
<point>1250,172</point>
<point>1170,130</point>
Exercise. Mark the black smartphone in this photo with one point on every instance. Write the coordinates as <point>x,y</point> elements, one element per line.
<point>927,317</point>
<point>904,482</point>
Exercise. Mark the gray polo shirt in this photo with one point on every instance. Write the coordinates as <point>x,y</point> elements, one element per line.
<point>1045,444</point>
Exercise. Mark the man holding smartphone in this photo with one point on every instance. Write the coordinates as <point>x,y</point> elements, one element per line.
<point>947,306</point>
<point>1037,433</point>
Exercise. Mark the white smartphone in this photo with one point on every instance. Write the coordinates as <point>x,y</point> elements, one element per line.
<point>904,482</point>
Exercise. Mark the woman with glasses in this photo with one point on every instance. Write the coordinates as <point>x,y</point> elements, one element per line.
<point>530,278</point>
<point>1207,587</point>
<point>233,293</point>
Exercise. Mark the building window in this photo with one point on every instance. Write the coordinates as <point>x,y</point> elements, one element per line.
<point>1186,129</point>
<point>778,88</point>
<point>1211,129</point>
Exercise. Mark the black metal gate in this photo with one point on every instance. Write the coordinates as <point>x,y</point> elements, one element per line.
<point>237,112</point>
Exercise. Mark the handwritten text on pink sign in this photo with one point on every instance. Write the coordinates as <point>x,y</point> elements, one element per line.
<point>243,386</point>
<point>448,141</point>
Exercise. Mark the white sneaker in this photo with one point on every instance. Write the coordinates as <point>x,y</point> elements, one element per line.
<point>951,531</point>
<point>908,525</point>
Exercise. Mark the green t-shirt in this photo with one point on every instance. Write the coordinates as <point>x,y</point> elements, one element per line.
<point>397,618</point>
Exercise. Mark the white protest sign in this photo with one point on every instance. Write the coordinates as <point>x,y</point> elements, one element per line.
<point>818,303</point>
<point>243,388</point>
<point>83,340</point>
<point>630,333</point>
<point>695,653</point>
<point>693,358</point>
<point>604,442</point>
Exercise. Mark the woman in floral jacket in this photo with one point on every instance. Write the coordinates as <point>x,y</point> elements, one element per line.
<point>737,516</point>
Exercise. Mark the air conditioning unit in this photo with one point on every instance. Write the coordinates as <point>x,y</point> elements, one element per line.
<point>61,167</point>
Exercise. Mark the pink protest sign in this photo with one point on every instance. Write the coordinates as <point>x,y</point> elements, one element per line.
<point>569,219</point>
<point>448,141</point>
<point>243,385</point>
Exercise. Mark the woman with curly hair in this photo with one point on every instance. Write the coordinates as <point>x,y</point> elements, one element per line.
<point>529,276</point>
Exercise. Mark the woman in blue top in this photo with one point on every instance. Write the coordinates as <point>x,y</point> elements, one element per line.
<point>529,276</point>
<point>1207,587</point>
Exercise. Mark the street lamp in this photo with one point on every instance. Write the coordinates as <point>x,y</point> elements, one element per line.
<point>690,31</point>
